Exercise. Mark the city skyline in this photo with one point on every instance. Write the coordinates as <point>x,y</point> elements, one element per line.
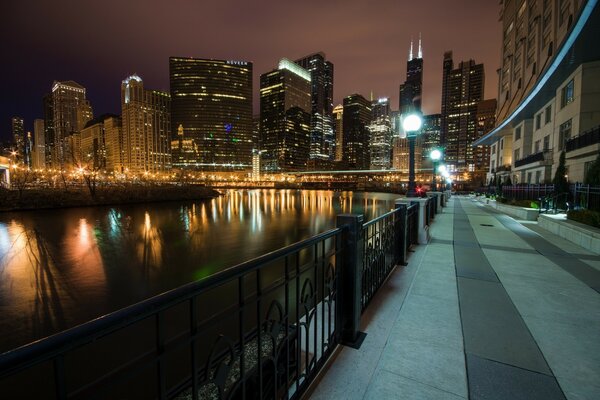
<point>370,57</point>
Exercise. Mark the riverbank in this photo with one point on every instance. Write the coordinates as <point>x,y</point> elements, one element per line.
<point>48,198</point>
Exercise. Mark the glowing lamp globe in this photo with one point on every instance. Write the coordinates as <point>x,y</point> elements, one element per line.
<point>411,123</point>
<point>435,155</point>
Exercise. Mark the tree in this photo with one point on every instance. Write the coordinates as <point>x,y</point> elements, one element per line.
<point>561,185</point>
<point>593,174</point>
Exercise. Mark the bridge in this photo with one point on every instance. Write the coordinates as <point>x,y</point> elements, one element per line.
<point>4,171</point>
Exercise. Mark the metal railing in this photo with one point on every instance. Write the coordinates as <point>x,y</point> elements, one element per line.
<point>535,157</point>
<point>262,329</point>
<point>586,196</point>
<point>585,139</point>
<point>527,192</point>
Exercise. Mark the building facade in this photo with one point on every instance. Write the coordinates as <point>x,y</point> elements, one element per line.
<point>338,123</point>
<point>486,119</point>
<point>410,100</point>
<point>322,137</point>
<point>356,119</point>
<point>211,114</point>
<point>114,143</point>
<point>146,122</point>
<point>38,154</point>
<point>380,132</point>
<point>71,111</point>
<point>431,136</point>
<point>285,118</point>
<point>18,134</point>
<point>48,112</point>
<point>462,90</point>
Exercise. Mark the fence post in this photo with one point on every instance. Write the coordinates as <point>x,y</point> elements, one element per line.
<point>401,232</point>
<point>350,288</point>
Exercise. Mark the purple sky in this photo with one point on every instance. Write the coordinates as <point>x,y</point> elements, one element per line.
<point>100,43</point>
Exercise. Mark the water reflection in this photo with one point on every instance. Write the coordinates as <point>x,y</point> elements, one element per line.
<point>60,268</point>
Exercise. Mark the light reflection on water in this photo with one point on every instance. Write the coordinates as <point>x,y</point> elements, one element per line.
<point>60,268</point>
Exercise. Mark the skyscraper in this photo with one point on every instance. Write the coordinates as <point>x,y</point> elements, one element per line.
<point>48,112</point>
<point>338,123</point>
<point>18,134</point>
<point>356,118</point>
<point>462,90</point>
<point>114,143</point>
<point>486,119</point>
<point>285,116</point>
<point>380,132</point>
<point>146,127</point>
<point>322,138</point>
<point>211,113</point>
<point>431,134</point>
<point>71,111</point>
<point>410,99</point>
<point>38,154</point>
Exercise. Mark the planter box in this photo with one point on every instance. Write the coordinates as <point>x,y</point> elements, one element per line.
<point>522,213</point>
<point>582,235</point>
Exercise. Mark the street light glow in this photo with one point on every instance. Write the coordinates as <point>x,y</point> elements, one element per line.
<point>435,154</point>
<point>411,123</point>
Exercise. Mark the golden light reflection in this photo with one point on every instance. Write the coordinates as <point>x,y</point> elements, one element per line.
<point>149,247</point>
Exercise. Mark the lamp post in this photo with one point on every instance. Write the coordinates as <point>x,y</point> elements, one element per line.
<point>435,156</point>
<point>412,125</point>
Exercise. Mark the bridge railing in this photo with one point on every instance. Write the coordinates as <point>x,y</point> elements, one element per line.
<point>261,329</point>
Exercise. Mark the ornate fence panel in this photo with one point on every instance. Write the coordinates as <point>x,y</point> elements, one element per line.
<point>381,238</point>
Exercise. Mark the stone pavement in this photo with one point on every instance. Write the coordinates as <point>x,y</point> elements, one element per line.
<point>490,308</point>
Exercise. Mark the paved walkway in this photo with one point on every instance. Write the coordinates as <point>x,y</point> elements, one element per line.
<point>490,309</point>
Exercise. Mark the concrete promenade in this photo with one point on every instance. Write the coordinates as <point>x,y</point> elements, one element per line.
<point>490,308</point>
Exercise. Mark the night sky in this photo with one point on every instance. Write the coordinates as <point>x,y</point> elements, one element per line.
<point>99,43</point>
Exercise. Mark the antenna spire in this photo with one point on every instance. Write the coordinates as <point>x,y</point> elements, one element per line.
<point>420,47</point>
<point>410,53</point>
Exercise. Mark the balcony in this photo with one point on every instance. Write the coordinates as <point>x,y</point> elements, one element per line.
<point>535,157</point>
<point>585,139</point>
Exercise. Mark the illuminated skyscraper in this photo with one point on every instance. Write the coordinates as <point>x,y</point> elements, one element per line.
<point>486,119</point>
<point>114,143</point>
<point>338,123</point>
<point>71,111</point>
<point>322,137</point>
<point>38,153</point>
<point>285,115</point>
<point>410,98</point>
<point>462,90</point>
<point>48,109</point>
<point>211,113</point>
<point>357,116</point>
<point>380,130</point>
<point>18,134</point>
<point>146,127</point>
<point>431,134</point>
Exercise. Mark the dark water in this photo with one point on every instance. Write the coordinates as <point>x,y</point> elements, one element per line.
<point>61,268</point>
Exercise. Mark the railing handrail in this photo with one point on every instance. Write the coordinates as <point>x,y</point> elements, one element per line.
<point>381,217</point>
<point>47,348</point>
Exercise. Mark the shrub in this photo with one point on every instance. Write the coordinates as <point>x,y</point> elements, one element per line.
<point>584,216</point>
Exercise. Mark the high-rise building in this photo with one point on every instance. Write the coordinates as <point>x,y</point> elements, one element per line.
<point>486,119</point>
<point>462,90</point>
<point>410,99</point>
<point>71,111</point>
<point>38,154</point>
<point>285,115</point>
<point>380,132</point>
<point>211,113</point>
<point>18,134</point>
<point>114,144</point>
<point>322,138</point>
<point>532,33</point>
<point>94,150</point>
<point>48,112</point>
<point>430,135</point>
<point>356,118</point>
<point>338,123</point>
<point>146,122</point>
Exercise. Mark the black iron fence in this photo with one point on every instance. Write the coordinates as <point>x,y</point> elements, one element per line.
<point>277,320</point>
<point>586,196</point>
<point>527,192</point>
<point>585,139</point>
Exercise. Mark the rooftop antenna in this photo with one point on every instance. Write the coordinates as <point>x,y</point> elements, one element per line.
<point>420,48</point>
<point>410,53</point>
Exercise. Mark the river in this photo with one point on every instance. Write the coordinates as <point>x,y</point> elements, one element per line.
<point>60,268</point>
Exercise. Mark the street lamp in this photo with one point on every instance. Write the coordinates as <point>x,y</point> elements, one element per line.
<point>435,156</point>
<point>412,125</point>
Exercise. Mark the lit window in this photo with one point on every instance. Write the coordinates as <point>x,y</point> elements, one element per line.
<point>568,93</point>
